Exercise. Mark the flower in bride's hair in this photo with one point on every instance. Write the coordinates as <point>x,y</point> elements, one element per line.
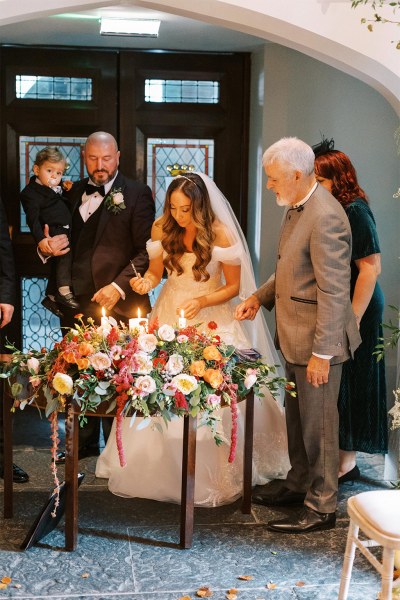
<point>100,361</point>
<point>147,342</point>
<point>166,333</point>
<point>212,353</point>
<point>213,377</point>
<point>250,379</point>
<point>197,368</point>
<point>63,383</point>
<point>143,363</point>
<point>185,383</point>
<point>175,364</point>
<point>145,385</point>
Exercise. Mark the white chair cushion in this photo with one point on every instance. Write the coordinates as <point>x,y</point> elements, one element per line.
<point>381,509</point>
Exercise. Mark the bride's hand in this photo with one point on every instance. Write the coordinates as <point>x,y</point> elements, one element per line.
<point>140,285</point>
<point>190,308</point>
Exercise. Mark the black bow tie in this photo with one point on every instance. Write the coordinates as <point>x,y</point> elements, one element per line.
<point>91,189</point>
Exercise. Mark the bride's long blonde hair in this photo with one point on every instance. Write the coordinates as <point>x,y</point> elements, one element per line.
<point>203,217</point>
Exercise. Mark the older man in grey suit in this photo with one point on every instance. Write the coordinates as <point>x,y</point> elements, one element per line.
<point>316,332</point>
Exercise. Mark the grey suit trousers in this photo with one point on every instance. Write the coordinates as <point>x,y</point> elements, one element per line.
<point>312,422</point>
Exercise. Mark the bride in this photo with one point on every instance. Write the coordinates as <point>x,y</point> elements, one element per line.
<point>200,243</point>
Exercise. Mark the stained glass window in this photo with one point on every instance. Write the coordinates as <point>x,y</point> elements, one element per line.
<point>180,90</point>
<point>40,328</point>
<point>53,88</point>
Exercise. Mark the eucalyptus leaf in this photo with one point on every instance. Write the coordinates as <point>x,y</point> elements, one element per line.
<point>104,384</point>
<point>51,406</point>
<point>195,411</point>
<point>158,426</point>
<point>132,419</point>
<point>143,424</point>
<point>94,398</point>
<point>16,389</point>
<point>111,407</point>
<point>100,391</point>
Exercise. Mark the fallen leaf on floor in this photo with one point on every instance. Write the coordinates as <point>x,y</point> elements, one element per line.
<point>85,575</point>
<point>6,580</point>
<point>273,552</point>
<point>3,586</point>
<point>270,586</point>
<point>204,592</point>
<point>185,598</point>
<point>18,586</point>
<point>232,591</point>
<point>300,583</point>
<point>246,577</point>
<point>231,596</point>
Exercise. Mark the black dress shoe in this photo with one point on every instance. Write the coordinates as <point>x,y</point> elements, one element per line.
<point>350,475</point>
<point>52,306</point>
<point>283,497</point>
<point>68,300</point>
<point>18,475</point>
<point>84,453</point>
<point>303,522</point>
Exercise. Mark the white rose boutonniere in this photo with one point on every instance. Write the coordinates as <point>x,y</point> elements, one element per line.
<point>114,201</point>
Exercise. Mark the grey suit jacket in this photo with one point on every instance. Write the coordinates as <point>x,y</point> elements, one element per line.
<point>311,284</point>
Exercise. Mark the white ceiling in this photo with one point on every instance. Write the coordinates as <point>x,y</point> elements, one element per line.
<point>82,29</point>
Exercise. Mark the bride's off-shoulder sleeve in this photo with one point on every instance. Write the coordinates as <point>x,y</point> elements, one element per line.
<point>228,256</point>
<point>154,249</point>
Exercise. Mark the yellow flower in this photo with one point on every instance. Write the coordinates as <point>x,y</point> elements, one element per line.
<point>63,383</point>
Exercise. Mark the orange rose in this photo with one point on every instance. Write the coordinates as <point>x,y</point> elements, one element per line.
<point>212,353</point>
<point>213,377</point>
<point>69,357</point>
<point>83,363</point>
<point>84,348</point>
<point>197,368</point>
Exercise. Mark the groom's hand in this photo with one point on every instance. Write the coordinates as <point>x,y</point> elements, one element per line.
<point>247,309</point>
<point>318,370</point>
<point>107,296</point>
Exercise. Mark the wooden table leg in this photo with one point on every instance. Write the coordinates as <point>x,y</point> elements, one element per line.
<point>188,480</point>
<point>7,450</point>
<point>71,480</point>
<point>248,454</point>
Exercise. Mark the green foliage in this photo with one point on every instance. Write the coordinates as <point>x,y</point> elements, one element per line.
<point>377,15</point>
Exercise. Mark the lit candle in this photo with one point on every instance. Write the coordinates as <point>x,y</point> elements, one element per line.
<point>138,324</point>
<point>182,320</point>
<point>104,321</point>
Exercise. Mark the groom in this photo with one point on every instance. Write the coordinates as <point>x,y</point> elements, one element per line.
<point>111,222</point>
<point>316,332</point>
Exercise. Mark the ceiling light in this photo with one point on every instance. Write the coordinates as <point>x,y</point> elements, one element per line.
<point>133,27</point>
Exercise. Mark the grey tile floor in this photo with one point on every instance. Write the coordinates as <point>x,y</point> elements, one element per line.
<point>128,548</point>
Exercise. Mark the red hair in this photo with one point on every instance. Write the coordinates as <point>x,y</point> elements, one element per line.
<point>337,167</point>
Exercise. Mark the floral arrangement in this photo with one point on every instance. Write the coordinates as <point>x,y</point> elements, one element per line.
<point>155,370</point>
<point>114,201</point>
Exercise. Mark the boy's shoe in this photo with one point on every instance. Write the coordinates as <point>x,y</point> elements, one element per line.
<point>52,306</point>
<point>68,300</point>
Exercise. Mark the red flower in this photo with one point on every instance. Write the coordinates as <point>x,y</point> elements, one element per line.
<point>159,362</point>
<point>180,400</point>
<point>113,336</point>
<point>153,325</point>
<point>212,325</point>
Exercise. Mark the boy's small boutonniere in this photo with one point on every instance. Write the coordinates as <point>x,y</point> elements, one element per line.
<point>114,201</point>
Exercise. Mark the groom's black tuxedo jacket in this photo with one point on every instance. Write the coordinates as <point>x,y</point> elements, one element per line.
<point>117,239</point>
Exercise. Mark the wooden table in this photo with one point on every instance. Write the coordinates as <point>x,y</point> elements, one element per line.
<point>71,466</point>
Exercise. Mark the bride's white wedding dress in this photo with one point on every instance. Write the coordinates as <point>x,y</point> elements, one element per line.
<point>154,459</point>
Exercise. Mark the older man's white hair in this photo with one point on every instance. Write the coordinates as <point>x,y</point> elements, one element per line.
<point>292,152</point>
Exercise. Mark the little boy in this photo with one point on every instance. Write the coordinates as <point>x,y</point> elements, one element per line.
<point>43,203</point>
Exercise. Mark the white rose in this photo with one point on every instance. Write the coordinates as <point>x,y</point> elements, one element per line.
<point>213,400</point>
<point>145,385</point>
<point>250,379</point>
<point>118,198</point>
<point>185,383</point>
<point>100,361</point>
<point>166,333</point>
<point>63,384</point>
<point>142,363</point>
<point>175,364</point>
<point>33,364</point>
<point>147,342</point>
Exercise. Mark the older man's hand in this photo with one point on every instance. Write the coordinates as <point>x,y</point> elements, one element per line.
<point>318,370</point>
<point>59,244</point>
<point>247,309</point>
<point>107,297</point>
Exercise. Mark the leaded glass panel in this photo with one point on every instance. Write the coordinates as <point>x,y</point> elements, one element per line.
<point>47,87</point>
<point>40,328</point>
<point>181,91</point>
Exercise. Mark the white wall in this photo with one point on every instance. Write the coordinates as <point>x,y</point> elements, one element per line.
<point>304,97</point>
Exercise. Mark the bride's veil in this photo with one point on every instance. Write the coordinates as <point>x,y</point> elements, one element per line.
<point>257,330</point>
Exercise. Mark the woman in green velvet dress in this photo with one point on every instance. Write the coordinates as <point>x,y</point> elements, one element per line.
<point>363,422</point>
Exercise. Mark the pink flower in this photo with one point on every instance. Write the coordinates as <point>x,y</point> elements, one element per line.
<point>100,361</point>
<point>166,333</point>
<point>143,363</point>
<point>213,400</point>
<point>182,338</point>
<point>147,342</point>
<point>33,364</point>
<point>145,385</point>
<point>175,364</point>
